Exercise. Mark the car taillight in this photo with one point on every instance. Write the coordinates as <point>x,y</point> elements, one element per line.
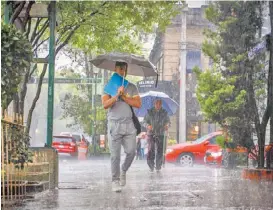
<point>72,144</point>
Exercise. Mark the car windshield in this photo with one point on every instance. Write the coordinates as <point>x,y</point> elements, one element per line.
<point>201,139</point>
<point>77,137</point>
<point>62,139</point>
<point>65,134</point>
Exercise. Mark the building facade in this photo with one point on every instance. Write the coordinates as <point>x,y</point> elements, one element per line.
<point>166,56</point>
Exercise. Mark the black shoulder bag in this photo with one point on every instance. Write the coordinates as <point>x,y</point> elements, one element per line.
<point>135,121</point>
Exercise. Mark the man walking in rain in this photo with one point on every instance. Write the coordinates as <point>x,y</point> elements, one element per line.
<point>121,129</point>
<point>157,122</point>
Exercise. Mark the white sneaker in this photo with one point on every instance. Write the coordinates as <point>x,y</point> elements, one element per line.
<point>116,186</point>
<point>123,178</point>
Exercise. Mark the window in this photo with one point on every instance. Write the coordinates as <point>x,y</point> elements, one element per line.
<point>62,139</point>
<point>77,137</point>
<point>193,60</point>
<point>213,140</point>
<point>201,139</point>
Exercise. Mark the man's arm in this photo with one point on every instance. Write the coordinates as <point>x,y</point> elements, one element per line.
<point>134,101</point>
<point>167,121</point>
<point>108,101</point>
<point>146,120</point>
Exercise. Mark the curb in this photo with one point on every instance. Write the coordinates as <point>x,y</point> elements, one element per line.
<point>258,174</point>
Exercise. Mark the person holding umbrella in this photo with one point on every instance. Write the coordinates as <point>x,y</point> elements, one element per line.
<point>121,129</point>
<point>120,96</point>
<point>157,122</point>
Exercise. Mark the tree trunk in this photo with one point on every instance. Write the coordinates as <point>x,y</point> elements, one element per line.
<point>270,73</point>
<point>16,103</point>
<point>261,128</point>
<point>256,119</point>
<point>261,142</point>
<point>37,96</point>
<point>23,93</point>
<point>268,159</point>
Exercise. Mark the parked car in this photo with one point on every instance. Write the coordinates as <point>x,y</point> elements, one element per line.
<point>77,136</point>
<point>214,156</point>
<point>186,154</point>
<point>224,157</point>
<point>65,144</point>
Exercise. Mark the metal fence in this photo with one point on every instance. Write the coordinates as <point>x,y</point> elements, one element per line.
<point>13,182</point>
<point>18,183</point>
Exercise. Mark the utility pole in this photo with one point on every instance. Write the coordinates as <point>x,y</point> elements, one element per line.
<point>95,71</point>
<point>270,74</point>
<point>7,12</point>
<point>51,72</point>
<point>182,69</point>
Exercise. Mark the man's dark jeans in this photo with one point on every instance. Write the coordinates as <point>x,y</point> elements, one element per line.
<point>155,151</point>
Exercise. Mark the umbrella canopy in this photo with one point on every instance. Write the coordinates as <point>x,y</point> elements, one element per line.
<point>137,65</point>
<point>148,99</point>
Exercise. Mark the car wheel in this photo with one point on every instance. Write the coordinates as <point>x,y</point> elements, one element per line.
<point>185,159</point>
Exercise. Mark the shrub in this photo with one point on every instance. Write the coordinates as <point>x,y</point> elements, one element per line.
<point>16,55</point>
<point>171,142</point>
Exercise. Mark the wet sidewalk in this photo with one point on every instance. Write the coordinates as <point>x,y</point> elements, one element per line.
<point>87,185</point>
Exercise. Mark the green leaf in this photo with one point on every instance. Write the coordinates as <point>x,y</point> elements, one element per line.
<point>12,54</point>
<point>224,89</point>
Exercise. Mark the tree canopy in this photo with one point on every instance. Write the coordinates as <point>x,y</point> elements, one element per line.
<point>91,26</point>
<point>106,26</point>
<point>232,91</point>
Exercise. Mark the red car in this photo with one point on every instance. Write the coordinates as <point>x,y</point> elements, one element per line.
<point>214,156</point>
<point>65,144</point>
<point>187,154</point>
<point>77,136</point>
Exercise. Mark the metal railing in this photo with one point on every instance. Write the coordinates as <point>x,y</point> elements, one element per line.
<point>13,182</point>
<point>18,183</point>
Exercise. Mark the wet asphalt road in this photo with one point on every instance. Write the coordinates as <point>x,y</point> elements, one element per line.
<point>87,185</point>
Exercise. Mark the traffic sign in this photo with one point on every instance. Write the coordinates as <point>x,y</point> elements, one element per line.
<point>34,80</point>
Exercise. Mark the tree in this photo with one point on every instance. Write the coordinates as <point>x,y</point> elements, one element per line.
<point>94,26</point>
<point>79,108</point>
<point>233,91</point>
<point>16,55</point>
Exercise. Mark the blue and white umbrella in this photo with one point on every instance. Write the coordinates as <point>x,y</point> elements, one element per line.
<point>148,100</point>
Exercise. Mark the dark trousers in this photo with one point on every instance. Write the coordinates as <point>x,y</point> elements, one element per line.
<point>155,151</point>
<point>138,155</point>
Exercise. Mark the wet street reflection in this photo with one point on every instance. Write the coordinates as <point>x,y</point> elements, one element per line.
<point>87,185</point>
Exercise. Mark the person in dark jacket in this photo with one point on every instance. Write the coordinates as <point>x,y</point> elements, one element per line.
<point>156,122</point>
